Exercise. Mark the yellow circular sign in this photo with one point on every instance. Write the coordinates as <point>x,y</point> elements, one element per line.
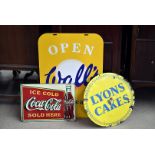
<point>108,99</point>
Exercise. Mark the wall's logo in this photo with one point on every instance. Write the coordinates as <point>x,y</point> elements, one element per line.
<point>71,72</point>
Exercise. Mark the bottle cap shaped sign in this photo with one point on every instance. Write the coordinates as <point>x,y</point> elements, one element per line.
<point>108,99</point>
<point>70,58</point>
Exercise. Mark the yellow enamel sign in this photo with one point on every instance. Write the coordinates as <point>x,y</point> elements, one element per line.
<point>108,99</point>
<point>70,58</point>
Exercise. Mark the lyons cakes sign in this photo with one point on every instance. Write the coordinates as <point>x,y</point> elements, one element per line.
<point>70,58</point>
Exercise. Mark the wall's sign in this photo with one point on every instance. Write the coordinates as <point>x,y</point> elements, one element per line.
<point>70,58</point>
<point>47,102</point>
<point>109,99</point>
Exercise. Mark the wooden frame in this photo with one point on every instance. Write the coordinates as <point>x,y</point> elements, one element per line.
<point>136,83</point>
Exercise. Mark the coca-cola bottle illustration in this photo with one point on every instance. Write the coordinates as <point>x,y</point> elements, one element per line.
<point>69,104</point>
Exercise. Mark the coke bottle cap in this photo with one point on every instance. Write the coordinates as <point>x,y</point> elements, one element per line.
<point>108,99</point>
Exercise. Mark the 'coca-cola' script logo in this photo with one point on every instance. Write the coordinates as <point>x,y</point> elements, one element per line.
<point>47,105</point>
<point>70,101</point>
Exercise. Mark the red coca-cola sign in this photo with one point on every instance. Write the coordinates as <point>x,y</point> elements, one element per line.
<point>42,103</point>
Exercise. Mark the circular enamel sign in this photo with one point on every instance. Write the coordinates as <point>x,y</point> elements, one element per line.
<point>108,99</point>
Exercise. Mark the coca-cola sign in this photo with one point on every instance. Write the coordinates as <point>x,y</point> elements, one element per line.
<point>50,104</point>
<point>41,103</point>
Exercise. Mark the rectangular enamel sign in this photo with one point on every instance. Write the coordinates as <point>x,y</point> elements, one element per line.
<point>47,102</point>
<point>70,58</point>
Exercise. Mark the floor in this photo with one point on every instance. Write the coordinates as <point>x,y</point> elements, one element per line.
<point>143,116</point>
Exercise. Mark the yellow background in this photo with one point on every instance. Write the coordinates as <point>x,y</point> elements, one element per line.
<point>99,84</point>
<point>47,61</point>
